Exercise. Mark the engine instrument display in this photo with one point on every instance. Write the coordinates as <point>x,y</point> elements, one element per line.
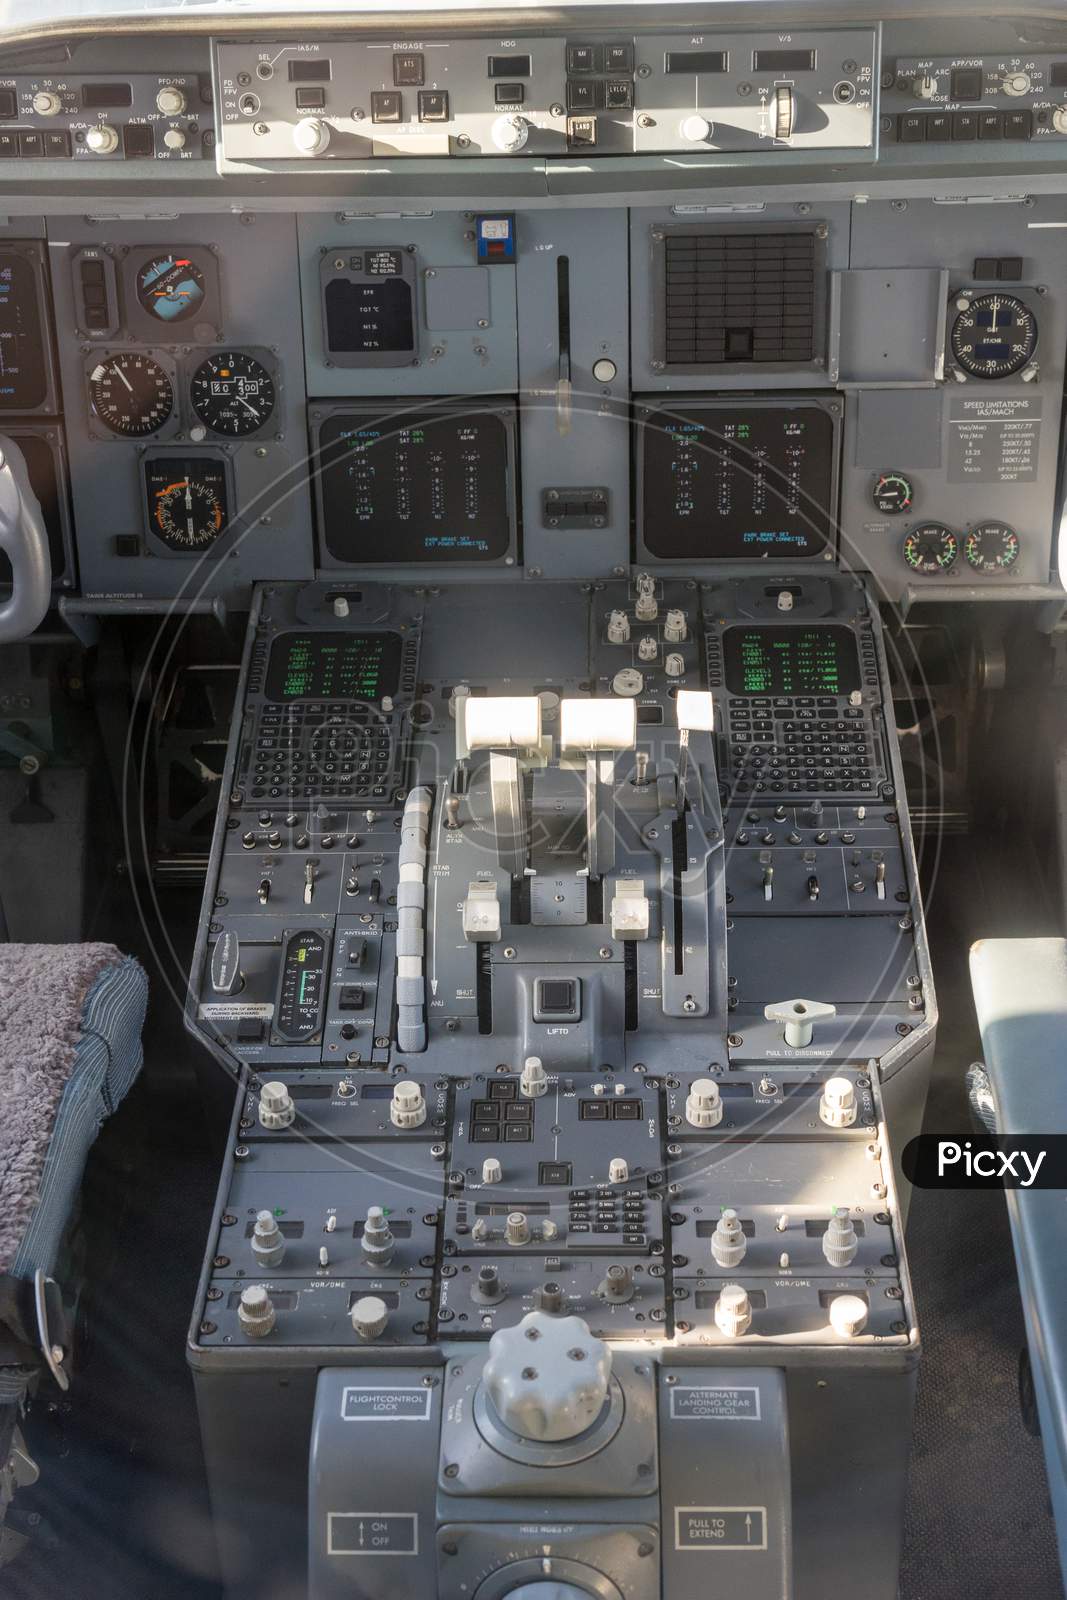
<point>333,666</point>
<point>723,480</point>
<point>188,501</point>
<point>233,394</point>
<point>170,287</point>
<point>23,367</point>
<point>777,660</point>
<point>411,485</point>
<point>994,336</point>
<point>131,394</point>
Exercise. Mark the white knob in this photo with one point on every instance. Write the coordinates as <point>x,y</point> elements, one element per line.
<point>618,1170</point>
<point>839,1242</point>
<point>268,1241</point>
<point>510,133</point>
<point>1016,83</point>
<point>647,648</point>
<point>340,606</point>
<point>102,140</point>
<point>276,1108</point>
<point>174,139</point>
<point>703,1105</point>
<point>924,87</point>
<point>695,129</point>
<point>1059,119</point>
<point>604,370</point>
<point>369,1316</point>
<point>646,607</point>
<point>311,136</point>
<point>534,1079</point>
<point>46,103</point>
<point>619,626</point>
<point>785,107</point>
<point>848,1315</point>
<point>728,1242</point>
<point>548,1377</point>
<point>549,1229</point>
<point>171,101</point>
<point>378,1241</point>
<point>517,1228</point>
<point>255,1312</point>
<point>627,683</point>
<point>408,1106</point>
<point>492,1172</point>
<point>733,1311</point>
<point>838,1107</point>
<point>674,666</point>
<point>674,627</point>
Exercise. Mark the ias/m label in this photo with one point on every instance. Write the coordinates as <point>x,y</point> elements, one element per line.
<point>714,1403</point>
<point>720,1528</point>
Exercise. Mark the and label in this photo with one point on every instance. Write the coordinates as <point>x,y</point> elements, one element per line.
<point>720,1528</point>
<point>712,1403</point>
<point>993,439</point>
<point>372,1533</point>
<point>383,1404</point>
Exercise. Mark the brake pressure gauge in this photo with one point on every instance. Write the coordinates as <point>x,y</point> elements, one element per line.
<point>931,548</point>
<point>991,547</point>
<point>892,493</point>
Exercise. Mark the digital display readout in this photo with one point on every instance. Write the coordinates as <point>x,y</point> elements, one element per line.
<point>23,381</point>
<point>743,481</point>
<point>770,660</point>
<point>427,487</point>
<point>333,666</point>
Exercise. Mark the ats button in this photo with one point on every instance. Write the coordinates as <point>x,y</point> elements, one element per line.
<point>409,69</point>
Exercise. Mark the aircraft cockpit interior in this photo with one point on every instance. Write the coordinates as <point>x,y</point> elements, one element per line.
<point>533,800</point>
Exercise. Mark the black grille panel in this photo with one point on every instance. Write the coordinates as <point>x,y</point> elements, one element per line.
<point>739,297</point>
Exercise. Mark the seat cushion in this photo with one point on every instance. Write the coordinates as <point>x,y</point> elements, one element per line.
<point>70,1047</point>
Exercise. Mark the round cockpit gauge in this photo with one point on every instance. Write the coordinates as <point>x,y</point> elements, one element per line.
<point>931,548</point>
<point>187,501</point>
<point>991,547</point>
<point>131,394</point>
<point>994,336</point>
<point>232,394</point>
<point>892,493</point>
<point>170,287</point>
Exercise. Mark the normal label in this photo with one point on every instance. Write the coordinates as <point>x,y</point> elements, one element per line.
<point>993,439</point>
<point>372,1533</point>
<point>720,1528</point>
<point>369,1404</point>
<point>711,1403</point>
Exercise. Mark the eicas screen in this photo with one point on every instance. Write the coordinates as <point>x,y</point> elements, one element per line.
<point>415,486</point>
<point>744,481</point>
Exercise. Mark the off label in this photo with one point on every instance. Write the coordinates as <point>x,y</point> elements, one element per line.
<point>720,1528</point>
<point>369,1404</point>
<point>372,1533</point>
<point>710,1403</point>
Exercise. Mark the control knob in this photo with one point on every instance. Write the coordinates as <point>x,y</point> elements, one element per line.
<point>674,626</point>
<point>174,139</point>
<point>674,665</point>
<point>703,1105</point>
<point>276,1108</point>
<point>255,1312</point>
<point>848,1315</point>
<point>102,140</point>
<point>268,1241</point>
<point>47,103</point>
<point>619,626</point>
<point>369,1316</point>
<point>547,1378</point>
<point>785,110</point>
<point>548,1589</point>
<point>378,1241</point>
<point>924,87</point>
<point>728,1242</point>
<point>838,1108</point>
<point>534,1079</point>
<point>408,1106</point>
<point>170,100</point>
<point>647,648</point>
<point>1016,83</point>
<point>510,133</point>
<point>733,1310</point>
<point>1059,119</point>
<point>839,1242</point>
<point>311,136</point>
<point>695,129</point>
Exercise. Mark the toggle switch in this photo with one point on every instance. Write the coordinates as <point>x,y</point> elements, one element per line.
<point>226,964</point>
<point>309,882</point>
<point>813,887</point>
<point>879,879</point>
<point>768,881</point>
<point>263,892</point>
